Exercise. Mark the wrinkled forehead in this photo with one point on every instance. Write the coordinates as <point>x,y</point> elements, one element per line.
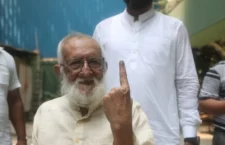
<point>81,48</point>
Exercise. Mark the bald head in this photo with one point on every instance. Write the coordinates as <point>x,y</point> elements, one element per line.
<point>76,41</point>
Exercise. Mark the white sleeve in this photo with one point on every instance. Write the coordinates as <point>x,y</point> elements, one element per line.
<point>142,132</point>
<point>96,34</point>
<point>187,84</point>
<point>13,81</point>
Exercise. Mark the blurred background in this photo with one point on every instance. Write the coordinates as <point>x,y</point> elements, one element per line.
<point>31,29</point>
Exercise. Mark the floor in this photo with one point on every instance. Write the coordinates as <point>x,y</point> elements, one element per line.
<point>206,138</point>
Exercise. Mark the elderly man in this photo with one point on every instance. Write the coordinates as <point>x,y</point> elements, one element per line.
<point>85,114</point>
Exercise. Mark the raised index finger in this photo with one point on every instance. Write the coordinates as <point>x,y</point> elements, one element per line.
<point>123,75</point>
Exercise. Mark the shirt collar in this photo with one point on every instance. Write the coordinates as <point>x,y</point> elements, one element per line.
<point>141,18</point>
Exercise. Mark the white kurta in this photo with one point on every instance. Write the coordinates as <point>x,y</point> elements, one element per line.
<point>58,122</point>
<point>160,68</point>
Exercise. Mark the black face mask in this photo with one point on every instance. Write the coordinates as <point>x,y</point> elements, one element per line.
<point>137,4</point>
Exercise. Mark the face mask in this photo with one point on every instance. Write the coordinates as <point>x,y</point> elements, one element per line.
<point>138,4</point>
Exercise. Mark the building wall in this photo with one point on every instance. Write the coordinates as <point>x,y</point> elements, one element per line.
<point>31,24</point>
<point>203,18</point>
<point>25,22</point>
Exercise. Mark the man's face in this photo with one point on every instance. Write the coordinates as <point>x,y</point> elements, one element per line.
<point>82,80</point>
<point>138,4</point>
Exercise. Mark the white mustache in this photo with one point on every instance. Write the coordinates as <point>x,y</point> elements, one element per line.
<point>74,95</point>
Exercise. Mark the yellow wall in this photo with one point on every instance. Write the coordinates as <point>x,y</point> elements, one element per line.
<point>203,18</point>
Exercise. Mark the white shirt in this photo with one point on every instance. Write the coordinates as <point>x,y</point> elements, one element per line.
<point>160,68</point>
<point>58,122</point>
<point>8,81</point>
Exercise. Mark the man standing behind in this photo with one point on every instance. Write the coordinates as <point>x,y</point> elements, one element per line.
<point>11,106</point>
<point>212,100</point>
<point>160,68</point>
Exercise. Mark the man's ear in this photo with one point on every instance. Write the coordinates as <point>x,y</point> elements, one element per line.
<point>105,67</point>
<point>57,70</point>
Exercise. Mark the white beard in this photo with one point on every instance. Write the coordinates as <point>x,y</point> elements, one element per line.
<point>91,100</point>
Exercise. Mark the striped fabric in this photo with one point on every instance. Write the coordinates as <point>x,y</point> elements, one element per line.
<point>213,87</point>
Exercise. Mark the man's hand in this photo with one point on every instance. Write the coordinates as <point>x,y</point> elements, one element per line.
<point>20,142</point>
<point>118,110</point>
<point>117,103</point>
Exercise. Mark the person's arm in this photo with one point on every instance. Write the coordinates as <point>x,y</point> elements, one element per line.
<point>209,94</point>
<point>122,135</point>
<point>16,114</point>
<point>141,134</point>
<point>117,106</point>
<point>16,111</point>
<point>187,84</point>
<point>212,106</point>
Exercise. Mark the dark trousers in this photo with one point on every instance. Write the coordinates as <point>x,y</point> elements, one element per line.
<point>218,136</point>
